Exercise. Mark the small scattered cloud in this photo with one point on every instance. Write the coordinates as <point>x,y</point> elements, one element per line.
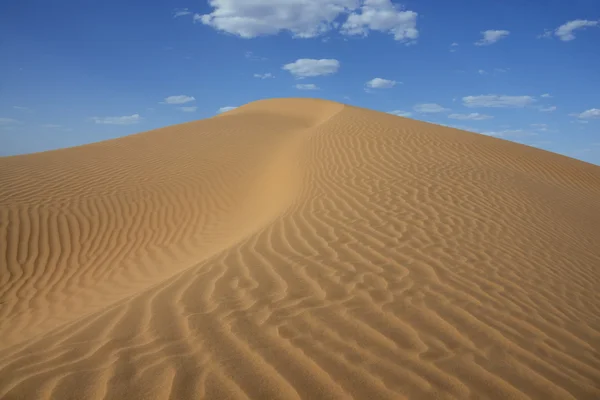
<point>251,56</point>
<point>51,126</point>
<point>180,12</point>
<point>471,116</point>
<point>307,86</point>
<point>565,31</point>
<point>429,108</point>
<point>494,100</point>
<point>8,121</point>
<point>400,113</point>
<point>264,76</point>
<point>179,99</point>
<point>546,96</point>
<point>592,113</point>
<point>20,108</point>
<point>225,109</point>
<point>491,37</point>
<point>124,120</point>
<point>453,47</point>
<point>306,67</point>
<point>481,72</point>
<point>380,83</point>
<point>547,109</point>
<point>310,18</point>
<point>189,108</point>
<point>547,34</point>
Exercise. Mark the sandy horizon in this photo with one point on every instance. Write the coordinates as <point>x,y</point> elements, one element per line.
<point>299,249</point>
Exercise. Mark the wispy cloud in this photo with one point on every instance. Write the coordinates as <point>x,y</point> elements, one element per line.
<point>180,12</point>
<point>491,37</point>
<point>253,57</point>
<point>225,109</point>
<point>453,47</point>
<point>400,113</point>
<point>179,99</point>
<point>510,133</point>
<point>380,83</point>
<point>471,116</point>
<point>307,86</point>
<point>429,108</point>
<point>264,76</point>
<point>547,109</point>
<point>189,108</point>
<point>124,120</point>
<point>20,108</point>
<point>495,100</point>
<point>51,126</point>
<point>8,121</point>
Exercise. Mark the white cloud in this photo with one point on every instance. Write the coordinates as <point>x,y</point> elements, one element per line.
<point>264,76</point>
<point>453,47</point>
<point>547,109</point>
<point>588,114</point>
<point>309,18</point>
<point>491,37</point>
<point>225,109</point>
<point>400,113</point>
<point>125,120</point>
<point>8,121</point>
<point>307,86</point>
<point>546,96</point>
<point>180,99</point>
<point>180,12</point>
<point>494,100</point>
<point>189,109</point>
<point>565,31</point>
<point>429,108</point>
<point>481,72</point>
<point>382,16</point>
<point>309,67</point>
<point>471,116</point>
<point>380,83</point>
<point>22,108</point>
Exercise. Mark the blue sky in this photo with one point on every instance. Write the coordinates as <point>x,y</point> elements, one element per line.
<point>75,72</point>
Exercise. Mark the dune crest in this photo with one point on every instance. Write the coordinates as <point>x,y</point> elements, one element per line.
<point>299,248</point>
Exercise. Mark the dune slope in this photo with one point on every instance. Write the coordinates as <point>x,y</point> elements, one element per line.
<point>299,248</point>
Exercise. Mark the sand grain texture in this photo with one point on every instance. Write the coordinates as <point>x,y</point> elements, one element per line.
<point>299,249</point>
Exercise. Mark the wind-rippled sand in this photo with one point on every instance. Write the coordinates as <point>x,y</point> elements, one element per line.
<point>298,248</point>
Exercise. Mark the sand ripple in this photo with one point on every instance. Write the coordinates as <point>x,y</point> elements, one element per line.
<point>299,249</point>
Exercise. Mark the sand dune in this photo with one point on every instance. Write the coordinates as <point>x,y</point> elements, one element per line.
<point>299,249</point>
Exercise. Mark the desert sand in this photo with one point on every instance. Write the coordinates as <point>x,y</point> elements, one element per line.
<point>299,249</point>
